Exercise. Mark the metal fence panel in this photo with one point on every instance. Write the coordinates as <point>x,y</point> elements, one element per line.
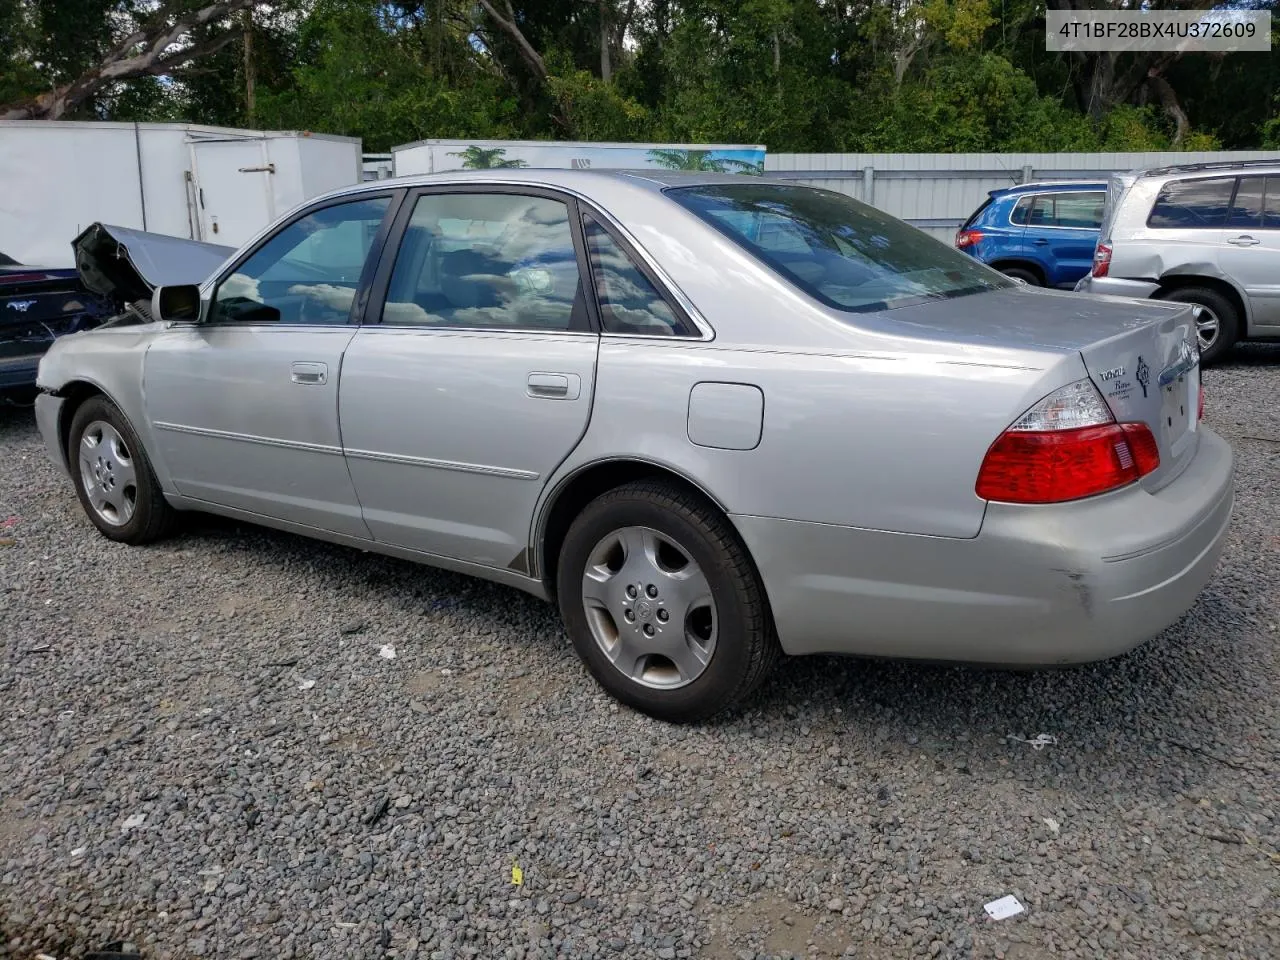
<point>937,191</point>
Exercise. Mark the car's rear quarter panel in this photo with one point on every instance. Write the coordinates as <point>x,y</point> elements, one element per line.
<point>886,442</point>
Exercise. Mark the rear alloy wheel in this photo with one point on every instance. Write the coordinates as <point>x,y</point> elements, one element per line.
<point>113,477</point>
<point>1218,324</point>
<point>663,604</point>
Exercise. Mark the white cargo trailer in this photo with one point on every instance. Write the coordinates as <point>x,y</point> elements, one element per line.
<point>434,156</point>
<point>213,184</point>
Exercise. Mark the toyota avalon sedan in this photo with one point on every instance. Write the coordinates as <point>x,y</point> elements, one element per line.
<point>715,419</point>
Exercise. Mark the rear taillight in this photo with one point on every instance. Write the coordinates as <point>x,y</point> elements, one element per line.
<point>1101,260</point>
<point>1066,447</point>
<point>967,238</point>
<point>1200,404</point>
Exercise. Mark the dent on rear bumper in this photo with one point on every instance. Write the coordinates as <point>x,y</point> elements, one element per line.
<point>1068,583</point>
<point>1116,287</point>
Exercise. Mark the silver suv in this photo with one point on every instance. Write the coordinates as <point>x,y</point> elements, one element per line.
<point>1207,234</point>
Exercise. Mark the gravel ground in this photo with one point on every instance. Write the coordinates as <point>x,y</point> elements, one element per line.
<point>204,752</point>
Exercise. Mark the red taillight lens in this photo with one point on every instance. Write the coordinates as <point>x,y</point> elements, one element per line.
<point>967,238</point>
<point>1200,405</point>
<point>1060,465</point>
<point>1101,260</point>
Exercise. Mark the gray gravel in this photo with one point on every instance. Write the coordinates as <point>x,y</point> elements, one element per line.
<point>856,809</point>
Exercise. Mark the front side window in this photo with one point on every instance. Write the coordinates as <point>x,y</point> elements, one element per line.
<point>1079,211</point>
<point>629,303</point>
<point>1192,204</point>
<point>308,272</point>
<point>496,260</point>
<point>841,252</point>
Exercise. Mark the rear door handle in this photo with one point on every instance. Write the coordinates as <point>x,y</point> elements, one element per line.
<point>1245,241</point>
<point>1042,242</point>
<point>554,386</point>
<point>306,372</point>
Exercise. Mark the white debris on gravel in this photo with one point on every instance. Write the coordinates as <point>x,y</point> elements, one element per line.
<point>853,809</point>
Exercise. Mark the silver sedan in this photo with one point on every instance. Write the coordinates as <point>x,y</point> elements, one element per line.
<point>715,419</point>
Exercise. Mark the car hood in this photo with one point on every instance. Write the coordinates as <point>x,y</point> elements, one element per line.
<point>126,265</point>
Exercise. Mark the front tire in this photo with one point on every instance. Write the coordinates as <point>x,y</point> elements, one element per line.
<point>113,477</point>
<point>663,604</point>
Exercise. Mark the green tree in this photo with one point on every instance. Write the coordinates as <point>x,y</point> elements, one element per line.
<point>480,158</point>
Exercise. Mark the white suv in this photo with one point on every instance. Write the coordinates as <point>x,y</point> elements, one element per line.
<point>1207,234</point>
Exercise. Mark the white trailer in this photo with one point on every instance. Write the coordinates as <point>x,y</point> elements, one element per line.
<point>212,184</point>
<point>434,156</point>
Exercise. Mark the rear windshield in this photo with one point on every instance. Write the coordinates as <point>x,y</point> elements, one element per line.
<point>841,252</point>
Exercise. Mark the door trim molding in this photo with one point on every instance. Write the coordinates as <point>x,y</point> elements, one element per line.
<point>246,438</point>
<point>508,472</point>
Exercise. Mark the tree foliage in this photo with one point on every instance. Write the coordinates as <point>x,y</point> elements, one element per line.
<point>795,75</point>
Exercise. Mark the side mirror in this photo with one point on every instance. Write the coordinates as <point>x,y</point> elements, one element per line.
<point>176,303</point>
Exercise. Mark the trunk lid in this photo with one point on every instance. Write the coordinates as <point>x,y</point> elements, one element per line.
<point>1151,374</point>
<point>1133,350</point>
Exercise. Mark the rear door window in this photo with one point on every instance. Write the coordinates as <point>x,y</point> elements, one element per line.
<point>1271,205</point>
<point>1193,204</point>
<point>1246,209</point>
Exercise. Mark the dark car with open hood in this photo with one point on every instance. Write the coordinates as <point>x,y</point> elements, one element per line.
<point>37,305</point>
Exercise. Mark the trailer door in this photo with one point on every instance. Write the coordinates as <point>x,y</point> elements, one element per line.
<point>234,197</point>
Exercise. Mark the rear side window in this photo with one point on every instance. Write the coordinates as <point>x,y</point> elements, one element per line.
<point>1192,204</point>
<point>842,253</point>
<point>629,303</point>
<point>1021,212</point>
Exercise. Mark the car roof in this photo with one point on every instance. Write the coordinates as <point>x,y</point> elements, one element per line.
<point>593,184</point>
<point>1223,166</point>
<point>1049,185</point>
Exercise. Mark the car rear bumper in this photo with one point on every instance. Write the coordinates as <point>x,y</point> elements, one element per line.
<point>48,416</point>
<point>1116,287</point>
<point>1066,583</point>
<point>19,372</point>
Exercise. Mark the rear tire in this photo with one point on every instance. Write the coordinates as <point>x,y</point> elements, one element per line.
<point>1222,321</point>
<point>113,477</point>
<point>663,604</point>
<point>1030,278</point>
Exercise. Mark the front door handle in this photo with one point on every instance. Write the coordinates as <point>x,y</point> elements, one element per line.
<point>306,372</point>
<point>554,386</point>
<point>1244,241</point>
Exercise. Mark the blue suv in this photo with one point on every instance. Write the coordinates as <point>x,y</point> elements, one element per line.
<point>1043,233</point>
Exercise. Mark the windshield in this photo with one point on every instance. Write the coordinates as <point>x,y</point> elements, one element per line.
<point>839,251</point>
